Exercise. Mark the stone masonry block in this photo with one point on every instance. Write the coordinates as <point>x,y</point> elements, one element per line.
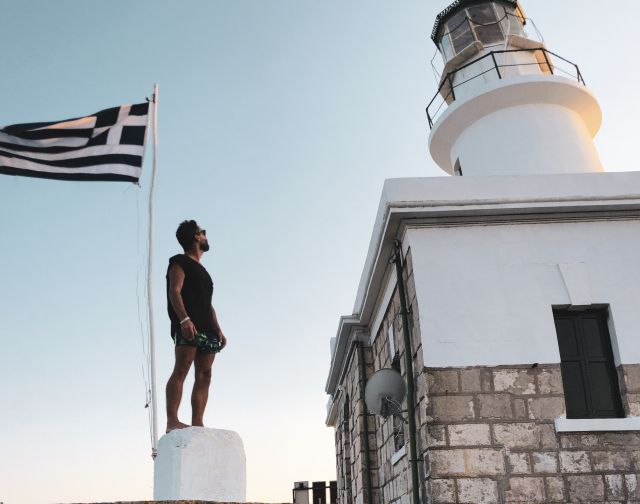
<point>620,439</point>
<point>555,489</point>
<point>402,487</point>
<point>614,486</point>
<point>452,408</point>
<point>518,463</point>
<point>520,409</point>
<point>586,488</point>
<point>548,438</point>
<point>443,381</point>
<point>515,381</point>
<point>550,382</point>
<point>470,380</point>
<point>546,408</point>
<point>495,406</point>
<point>525,490</point>
<point>421,385</point>
<point>517,435</point>
<point>631,484</point>
<point>436,435</point>
<point>467,462</point>
<point>574,462</point>
<point>443,491</point>
<point>486,380</point>
<point>446,463</point>
<point>632,377</point>
<point>587,440</point>
<point>570,441</point>
<point>484,462</point>
<point>611,460</point>
<point>418,360</point>
<point>477,491</point>
<point>634,404</point>
<point>411,289</point>
<point>545,462</point>
<point>469,435</point>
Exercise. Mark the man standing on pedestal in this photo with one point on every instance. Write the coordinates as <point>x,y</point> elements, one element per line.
<point>194,325</point>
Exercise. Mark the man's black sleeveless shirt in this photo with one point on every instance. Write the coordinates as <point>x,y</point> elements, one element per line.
<point>196,292</point>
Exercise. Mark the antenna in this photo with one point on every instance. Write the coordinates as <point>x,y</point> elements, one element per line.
<point>385,392</point>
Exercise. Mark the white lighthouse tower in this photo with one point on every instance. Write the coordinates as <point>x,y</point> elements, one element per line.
<point>506,295</point>
<point>510,109</point>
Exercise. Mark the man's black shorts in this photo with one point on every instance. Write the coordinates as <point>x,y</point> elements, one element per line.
<point>206,343</point>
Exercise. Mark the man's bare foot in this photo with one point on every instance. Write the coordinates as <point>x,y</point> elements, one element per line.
<point>174,426</point>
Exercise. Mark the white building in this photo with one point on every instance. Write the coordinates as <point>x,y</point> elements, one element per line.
<point>522,275</point>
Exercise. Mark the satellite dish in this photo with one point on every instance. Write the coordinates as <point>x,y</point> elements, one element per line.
<point>384,393</point>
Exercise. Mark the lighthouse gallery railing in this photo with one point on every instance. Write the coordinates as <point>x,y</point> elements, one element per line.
<point>434,108</point>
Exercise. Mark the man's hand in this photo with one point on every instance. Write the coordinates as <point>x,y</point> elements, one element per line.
<point>188,330</point>
<point>223,340</point>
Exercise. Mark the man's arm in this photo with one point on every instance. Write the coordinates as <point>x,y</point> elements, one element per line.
<point>223,339</point>
<point>176,281</point>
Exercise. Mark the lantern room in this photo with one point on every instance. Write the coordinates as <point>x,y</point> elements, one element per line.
<point>484,41</point>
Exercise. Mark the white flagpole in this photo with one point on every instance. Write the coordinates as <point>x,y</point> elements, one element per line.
<point>152,342</point>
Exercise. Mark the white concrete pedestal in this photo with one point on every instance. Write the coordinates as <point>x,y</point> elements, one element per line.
<point>200,464</point>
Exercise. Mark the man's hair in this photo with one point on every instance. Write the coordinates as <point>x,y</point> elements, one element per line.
<point>186,233</point>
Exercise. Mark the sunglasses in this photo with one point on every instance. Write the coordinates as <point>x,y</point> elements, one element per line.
<point>202,231</point>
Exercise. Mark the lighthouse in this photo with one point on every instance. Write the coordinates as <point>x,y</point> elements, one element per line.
<point>512,105</point>
<point>506,295</point>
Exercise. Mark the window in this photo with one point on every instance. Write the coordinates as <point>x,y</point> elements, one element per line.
<point>512,20</point>
<point>485,24</point>
<point>445,45</point>
<point>477,23</point>
<point>588,370</point>
<point>457,169</point>
<point>398,420</point>
<point>460,31</point>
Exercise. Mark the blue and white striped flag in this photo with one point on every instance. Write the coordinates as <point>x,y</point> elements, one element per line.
<point>108,145</point>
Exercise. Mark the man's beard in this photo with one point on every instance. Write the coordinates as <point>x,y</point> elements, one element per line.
<point>204,246</point>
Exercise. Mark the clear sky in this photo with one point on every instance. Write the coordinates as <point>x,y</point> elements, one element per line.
<point>279,121</point>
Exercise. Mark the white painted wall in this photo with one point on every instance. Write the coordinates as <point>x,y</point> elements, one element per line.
<point>471,80</point>
<point>485,293</point>
<point>527,139</point>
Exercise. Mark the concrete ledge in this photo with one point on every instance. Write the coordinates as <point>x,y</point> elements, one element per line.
<point>200,463</point>
<point>597,424</point>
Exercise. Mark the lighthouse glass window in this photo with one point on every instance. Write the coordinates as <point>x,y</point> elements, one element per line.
<point>460,31</point>
<point>477,23</point>
<point>486,24</point>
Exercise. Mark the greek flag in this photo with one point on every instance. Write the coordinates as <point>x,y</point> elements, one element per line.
<point>107,145</point>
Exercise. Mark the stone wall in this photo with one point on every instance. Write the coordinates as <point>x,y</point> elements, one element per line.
<point>394,473</point>
<point>390,481</point>
<point>492,439</point>
<point>352,423</point>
